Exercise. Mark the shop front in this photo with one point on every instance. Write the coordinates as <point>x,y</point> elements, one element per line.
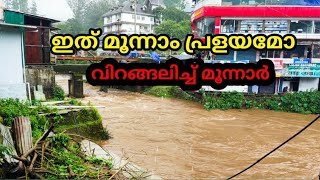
<point>300,77</point>
<point>274,87</point>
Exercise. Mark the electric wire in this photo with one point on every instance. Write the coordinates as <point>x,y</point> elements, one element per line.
<point>295,135</point>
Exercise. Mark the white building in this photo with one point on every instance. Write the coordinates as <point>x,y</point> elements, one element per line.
<point>121,19</point>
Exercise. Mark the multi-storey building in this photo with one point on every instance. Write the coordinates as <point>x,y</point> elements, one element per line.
<point>298,17</point>
<point>121,19</point>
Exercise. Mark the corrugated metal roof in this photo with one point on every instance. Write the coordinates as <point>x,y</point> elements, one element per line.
<point>34,16</point>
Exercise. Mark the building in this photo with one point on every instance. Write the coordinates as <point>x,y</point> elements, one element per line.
<point>121,19</point>
<point>25,60</point>
<point>298,17</point>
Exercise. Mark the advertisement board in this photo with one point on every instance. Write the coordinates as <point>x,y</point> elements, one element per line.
<point>278,64</point>
<point>303,70</point>
<point>301,61</point>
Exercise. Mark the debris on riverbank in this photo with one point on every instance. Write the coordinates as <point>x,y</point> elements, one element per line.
<point>35,142</point>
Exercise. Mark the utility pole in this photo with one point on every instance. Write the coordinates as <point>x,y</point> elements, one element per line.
<point>135,16</point>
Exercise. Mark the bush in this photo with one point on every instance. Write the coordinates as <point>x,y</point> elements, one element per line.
<point>161,91</point>
<point>58,93</point>
<point>298,102</point>
<point>12,108</point>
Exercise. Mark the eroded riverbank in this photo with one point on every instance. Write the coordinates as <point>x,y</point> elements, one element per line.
<point>179,139</point>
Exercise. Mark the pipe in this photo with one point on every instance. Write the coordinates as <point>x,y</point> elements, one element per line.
<point>24,68</point>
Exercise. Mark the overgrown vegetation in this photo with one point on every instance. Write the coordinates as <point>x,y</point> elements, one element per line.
<point>62,157</point>
<point>298,102</point>
<point>58,93</point>
<point>68,161</point>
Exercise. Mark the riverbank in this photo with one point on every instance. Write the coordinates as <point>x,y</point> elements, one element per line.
<point>297,102</point>
<point>51,148</point>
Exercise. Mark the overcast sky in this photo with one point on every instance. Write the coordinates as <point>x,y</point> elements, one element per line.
<point>57,9</point>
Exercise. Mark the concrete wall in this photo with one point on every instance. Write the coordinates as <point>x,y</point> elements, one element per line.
<point>41,75</point>
<point>11,64</point>
<point>306,84</point>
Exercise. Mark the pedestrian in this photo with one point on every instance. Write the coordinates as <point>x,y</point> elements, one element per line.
<point>198,55</point>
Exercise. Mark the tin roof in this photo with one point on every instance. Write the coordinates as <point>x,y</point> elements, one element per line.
<point>34,16</point>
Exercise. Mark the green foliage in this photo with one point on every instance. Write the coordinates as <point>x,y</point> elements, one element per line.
<point>58,93</point>
<point>100,161</point>
<point>75,102</point>
<point>60,140</point>
<point>172,13</point>
<point>298,102</point>
<point>161,91</point>
<point>176,23</point>
<point>230,100</point>
<point>170,92</point>
<point>175,3</point>
<point>4,150</point>
<point>66,155</point>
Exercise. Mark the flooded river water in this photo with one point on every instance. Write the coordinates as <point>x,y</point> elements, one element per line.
<point>178,139</point>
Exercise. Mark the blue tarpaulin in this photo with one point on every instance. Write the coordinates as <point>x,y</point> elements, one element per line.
<point>132,55</point>
<point>313,2</point>
<point>156,58</point>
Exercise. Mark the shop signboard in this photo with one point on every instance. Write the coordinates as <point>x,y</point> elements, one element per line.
<point>278,64</point>
<point>303,70</point>
<point>302,61</point>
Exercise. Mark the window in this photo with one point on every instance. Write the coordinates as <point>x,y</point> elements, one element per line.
<point>138,17</point>
<point>317,27</point>
<point>297,26</point>
<point>151,19</point>
<point>132,16</point>
<point>269,54</point>
<point>276,26</point>
<point>298,52</point>
<point>251,26</point>
<point>229,26</point>
<point>205,26</point>
<point>143,18</point>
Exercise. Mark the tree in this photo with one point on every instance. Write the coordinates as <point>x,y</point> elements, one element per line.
<point>171,13</point>
<point>180,4</point>
<point>33,9</point>
<point>173,29</point>
<point>94,12</point>
<point>19,5</point>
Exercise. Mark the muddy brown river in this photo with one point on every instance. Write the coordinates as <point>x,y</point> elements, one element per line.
<point>177,139</point>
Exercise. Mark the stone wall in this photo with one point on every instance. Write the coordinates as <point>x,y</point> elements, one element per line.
<point>41,75</point>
